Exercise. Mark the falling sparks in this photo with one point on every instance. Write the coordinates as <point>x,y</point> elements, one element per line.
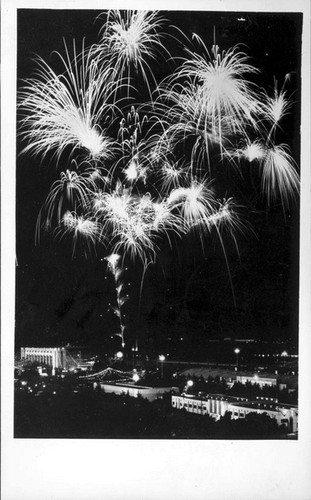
<point>129,41</point>
<point>65,110</point>
<point>279,173</point>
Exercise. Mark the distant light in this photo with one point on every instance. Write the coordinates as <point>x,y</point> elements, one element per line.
<point>162,358</point>
<point>136,377</point>
<point>189,383</point>
<point>241,19</point>
<point>284,353</point>
<point>237,350</point>
<point>119,355</point>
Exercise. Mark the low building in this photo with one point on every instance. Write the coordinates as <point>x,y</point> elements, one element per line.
<point>284,414</point>
<point>133,390</point>
<point>216,405</point>
<point>261,380</point>
<point>56,357</point>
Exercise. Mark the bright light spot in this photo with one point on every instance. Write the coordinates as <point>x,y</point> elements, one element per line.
<point>131,171</point>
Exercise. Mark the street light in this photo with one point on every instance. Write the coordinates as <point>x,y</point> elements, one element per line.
<point>189,384</point>
<point>284,355</point>
<point>119,355</point>
<point>135,377</point>
<point>161,359</point>
<point>237,352</point>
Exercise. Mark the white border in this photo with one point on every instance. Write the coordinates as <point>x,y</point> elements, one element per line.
<point>142,470</point>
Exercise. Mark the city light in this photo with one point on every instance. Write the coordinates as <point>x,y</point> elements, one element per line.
<point>161,359</point>
<point>237,352</point>
<point>119,355</point>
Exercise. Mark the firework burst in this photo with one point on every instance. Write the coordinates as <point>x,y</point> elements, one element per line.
<point>80,226</point>
<point>217,89</point>
<point>129,41</point>
<point>67,109</point>
<point>279,174</point>
<point>276,107</point>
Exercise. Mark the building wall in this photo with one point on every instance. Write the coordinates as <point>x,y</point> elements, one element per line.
<point>261,381</point>
<point>217,406</point>
<point>150,393</point>
<point>282,414</point>
<point>53,356</point>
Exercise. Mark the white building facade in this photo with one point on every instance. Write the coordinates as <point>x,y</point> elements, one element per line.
<point>133,390</point>
<point>53,356</point>
<point>216,405</point>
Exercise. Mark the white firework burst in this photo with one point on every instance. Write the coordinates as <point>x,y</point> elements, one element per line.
<point>129,41</point>
<point>279,174</point>
<point>219,80</point>
<point>67,109</point>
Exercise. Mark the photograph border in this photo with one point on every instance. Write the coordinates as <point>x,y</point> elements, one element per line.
<point>131,469</point>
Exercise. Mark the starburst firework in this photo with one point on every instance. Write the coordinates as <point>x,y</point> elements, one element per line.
<point>66,110</point>
<point>129,41</point>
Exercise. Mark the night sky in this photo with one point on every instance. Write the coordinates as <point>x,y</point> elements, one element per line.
<point>187,294</point>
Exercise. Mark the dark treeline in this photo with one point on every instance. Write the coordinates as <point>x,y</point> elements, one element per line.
<point>92,414</point>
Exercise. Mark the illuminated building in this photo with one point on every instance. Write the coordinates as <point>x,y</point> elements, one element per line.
<point>56,357</point>
<point>216,406</point>
<point>133,390</point>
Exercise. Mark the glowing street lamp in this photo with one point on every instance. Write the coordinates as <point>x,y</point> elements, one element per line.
<point>135,377</point>
<point>189,383</point>
<point>161,359</point>
<point>119,355</point>
<point>284,355</point>
<point>237,352</point>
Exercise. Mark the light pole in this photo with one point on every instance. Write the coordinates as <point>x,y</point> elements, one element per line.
<point>237,352</point>
<point>189,384</point>
<point>161,359</point>
<point>284,355</point>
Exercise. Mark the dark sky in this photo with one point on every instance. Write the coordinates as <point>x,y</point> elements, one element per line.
<point>61,298</point>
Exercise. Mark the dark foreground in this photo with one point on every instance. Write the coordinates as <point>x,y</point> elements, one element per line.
<point>93,414</point>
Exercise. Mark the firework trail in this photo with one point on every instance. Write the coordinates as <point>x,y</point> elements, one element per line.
<point>116,270</point>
